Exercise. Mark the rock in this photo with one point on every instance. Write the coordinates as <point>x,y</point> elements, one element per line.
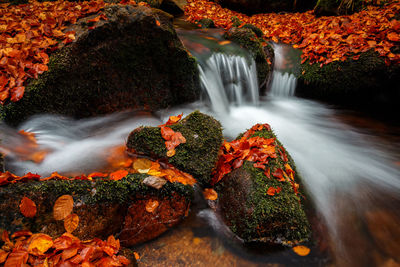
<point>266,6</point>
<point>134,60</point>
<point>112,205</point>
<point>197,156</point>
<point>367,83</point>
<point>173,7</point>
<point>152,3</point>
<point>206,23</point>
<point>246,38</point>
<point>252,213</point>
<point>335,8</point>
<point>155,182</point>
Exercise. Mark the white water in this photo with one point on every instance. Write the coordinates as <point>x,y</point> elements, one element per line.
<point>283,83</point>
<point>333,158</point>
<point>235,74</point>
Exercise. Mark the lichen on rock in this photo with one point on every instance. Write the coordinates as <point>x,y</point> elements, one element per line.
<point>197,156</point>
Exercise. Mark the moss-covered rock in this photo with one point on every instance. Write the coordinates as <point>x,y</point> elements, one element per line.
<point>104,207</point>
<point>134,60</point>
<point>265,6</point>
<point>206,23</point>
<point>254,215</point>
<point>247,38</point>
<point>337,7</point>
<point>366,83</point>
<point>197,156</point>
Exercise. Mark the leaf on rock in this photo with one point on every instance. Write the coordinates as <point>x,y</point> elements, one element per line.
<point>118,175</point>
<point>27,207</point>
<point>152,205</point>
<point>63,207</point>
<point>71,222</point>
<point>210,194</point>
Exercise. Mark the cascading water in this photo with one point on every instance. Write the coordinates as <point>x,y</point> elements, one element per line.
<point>350,175</point>
<point>283,79</point>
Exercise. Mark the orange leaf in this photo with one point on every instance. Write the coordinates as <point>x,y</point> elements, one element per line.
<point>152,205</point>
<point>301,250</point>
<point>137,257</point>
<point>271,191</point>
<point>171,153</point>
<point>118,175</point>
<point>210,194</point>
<point>395,37</point>
<point>27,207</point>
<point>16,258</point>
<point>174,119</point>
<point>97,174</point>
<point>63,207</point>
<point>69,253</point>
<point>39,244</point>
<point>3,256</point>
<point>71,222</point>
<point>158,23</point>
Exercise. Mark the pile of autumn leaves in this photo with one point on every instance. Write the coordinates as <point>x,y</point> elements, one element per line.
<point>42,250</point>
<point>259,151</point>
<point>322,40</point>
<point>30,32</point>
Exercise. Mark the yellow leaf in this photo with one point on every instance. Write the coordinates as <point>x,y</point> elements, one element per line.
<point>171,153</point>
<point>39,244</point>
<point>301,250</point>
<point>71,222</point>
<point>142,164</point>
<point>63,207</point>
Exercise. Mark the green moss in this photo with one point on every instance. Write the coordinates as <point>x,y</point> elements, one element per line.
<point>365,81</point>
<point>248,39</point>
<point>197,156</point>
<point>206,23</point>
<point>265,218</point>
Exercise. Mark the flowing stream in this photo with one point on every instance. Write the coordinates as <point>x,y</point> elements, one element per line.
<point>351,174</point>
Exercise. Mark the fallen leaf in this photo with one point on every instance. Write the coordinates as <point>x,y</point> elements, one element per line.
<point>71,222</point>
<point>39,244</point>
<point>301,250</point>
<point>152,205</point>
<point>210,194</point>
<point>118,175</point>
<point>63,207</point>
<point>27,207</point>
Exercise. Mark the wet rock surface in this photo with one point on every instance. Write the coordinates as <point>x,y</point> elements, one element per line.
<point>263,205</point>
<point>133,60</point>
<point>197,156</point>
<point>104,207</point>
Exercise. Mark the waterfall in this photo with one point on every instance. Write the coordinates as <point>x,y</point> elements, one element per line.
<point>284,82</point>
<point>229,79</point>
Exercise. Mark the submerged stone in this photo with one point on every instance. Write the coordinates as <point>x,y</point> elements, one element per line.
<point>104,207</point>
<point>253,212</point>
<point>133,60</point>
<point>197,156</point>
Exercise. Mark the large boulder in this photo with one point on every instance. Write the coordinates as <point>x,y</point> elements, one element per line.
<point>366,83</point>
<point>197,156</point>
<point>258,196</point>
<point>133,60</point>
<point>249,37</point>
<point>105,207</point>
<point>335,7</point>
<point>266,6</point>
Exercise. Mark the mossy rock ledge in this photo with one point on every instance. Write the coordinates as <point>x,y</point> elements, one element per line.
<point>252,214</point>
<point>133,60</point>
<point>247,38</point>
<point>366,83</point>
<point>104,207</point>
<point>198,156</point>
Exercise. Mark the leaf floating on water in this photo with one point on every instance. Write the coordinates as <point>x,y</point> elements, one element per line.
<point>301,250</point>
<point>71,222</point>
<point>27,207</point>
<point>63,207</point>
